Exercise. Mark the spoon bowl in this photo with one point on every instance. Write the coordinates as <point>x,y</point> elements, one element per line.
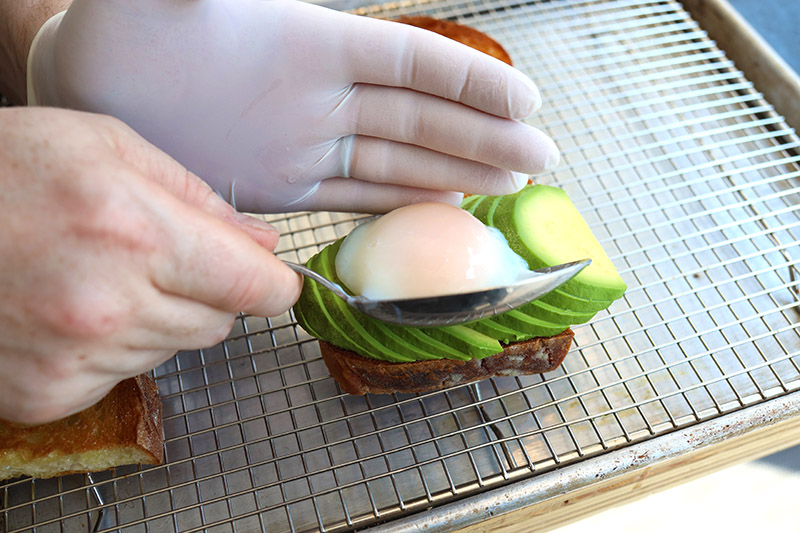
<point>450,309</point>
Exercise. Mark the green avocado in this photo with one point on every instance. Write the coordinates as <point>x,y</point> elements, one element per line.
<point>566,315</point>
<point>462,337</point>
<point>557,315</point>
<point>563,300</point>
<point>343,325</point>
<point>542,225</point>
<point>471,202</point>
<point>504,334</point>
<point>463,343</point>
<point>516,319</point>
<point>571,310</point>
<point>413,341</point>
<point>482,208</point>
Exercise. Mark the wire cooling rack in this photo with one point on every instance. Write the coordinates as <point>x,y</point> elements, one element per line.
<point>690,181</point>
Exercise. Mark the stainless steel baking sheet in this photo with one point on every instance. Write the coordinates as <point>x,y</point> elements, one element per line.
<point>691,182</point>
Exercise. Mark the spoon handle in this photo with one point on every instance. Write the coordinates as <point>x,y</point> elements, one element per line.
<point>325,282</point>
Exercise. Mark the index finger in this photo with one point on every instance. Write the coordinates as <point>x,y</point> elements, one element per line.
<point>392,54</point>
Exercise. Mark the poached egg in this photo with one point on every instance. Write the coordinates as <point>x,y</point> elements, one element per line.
<point>423,250</point>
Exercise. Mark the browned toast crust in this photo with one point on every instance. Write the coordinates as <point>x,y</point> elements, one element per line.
<point>125,427</point>
<point>458,32</point>
<point>357,374</point>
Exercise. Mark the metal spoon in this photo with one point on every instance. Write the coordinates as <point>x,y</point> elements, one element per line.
<point>452,309</point>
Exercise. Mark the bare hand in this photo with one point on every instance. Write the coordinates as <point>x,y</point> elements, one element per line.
<point>114,257</point>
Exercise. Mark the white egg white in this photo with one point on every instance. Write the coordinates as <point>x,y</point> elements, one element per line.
<point>425,249</point>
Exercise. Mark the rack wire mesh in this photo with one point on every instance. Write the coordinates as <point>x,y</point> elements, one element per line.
<point>690,181</point>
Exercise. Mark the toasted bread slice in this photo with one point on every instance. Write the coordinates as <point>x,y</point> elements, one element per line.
<point>357,374</point>
<point>458,32</point>
<point>123,428</point>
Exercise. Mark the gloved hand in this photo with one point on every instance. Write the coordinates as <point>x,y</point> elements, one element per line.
<point>113,258</point>
<point>283,105</point>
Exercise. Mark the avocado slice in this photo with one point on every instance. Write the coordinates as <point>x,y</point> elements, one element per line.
<point>571,311</point>
<point>556,315</point>
<point>493,209</point>
<point>471,202</point>
<point>339,333</point>
<point>543,317</point>
<point>483,208</point>
<point>468,340</point>
<point>315,320</point>
<point>542,225</point>
<point>464,343</point>
<point>299,310</point>
<point>340,317</point>
<point>392,344</point>
<point>534,327</point>
<point>502,333</point>
<point>412,339</point>
<point>563,300</point>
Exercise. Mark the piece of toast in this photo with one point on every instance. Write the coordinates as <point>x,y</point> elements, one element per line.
<point>123,428</point>
<point>458,32</point>
<point>357,374</point>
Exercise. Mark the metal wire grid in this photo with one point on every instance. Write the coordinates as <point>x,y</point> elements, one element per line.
<point>689,180</point>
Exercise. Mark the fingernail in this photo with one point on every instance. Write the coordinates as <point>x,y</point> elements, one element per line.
<point>256,223</point>
<point>525,97</point>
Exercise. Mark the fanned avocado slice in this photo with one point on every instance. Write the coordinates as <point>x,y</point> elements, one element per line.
<point>413,341</point>
<point>465,343</point>
<point>299,313</point>
<point>471,202</point>
<point>563,300</point>
<point>341,319</point>
<point>488,204</point>
<point>465,338</point>
<point>542,225</point>
<point>546,312</point>
<point>540,309</point>
<point>497,331</point>
<point>534,327</point>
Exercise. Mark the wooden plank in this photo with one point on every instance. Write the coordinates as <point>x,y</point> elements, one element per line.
<point>557,497</point>
<point>579,504</point>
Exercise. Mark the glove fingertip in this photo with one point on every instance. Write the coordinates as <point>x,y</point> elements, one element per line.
<point>524,97</point>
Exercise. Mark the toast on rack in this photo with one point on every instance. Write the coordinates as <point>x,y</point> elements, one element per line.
<point>357,374</point>
<point>458,32</point>
<point>125,427</point>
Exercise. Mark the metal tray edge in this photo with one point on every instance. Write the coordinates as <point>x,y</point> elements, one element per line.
<point>760,63</point>
<point>566,494</point>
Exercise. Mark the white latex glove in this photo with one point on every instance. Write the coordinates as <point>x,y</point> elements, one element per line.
<point>277,102</point>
